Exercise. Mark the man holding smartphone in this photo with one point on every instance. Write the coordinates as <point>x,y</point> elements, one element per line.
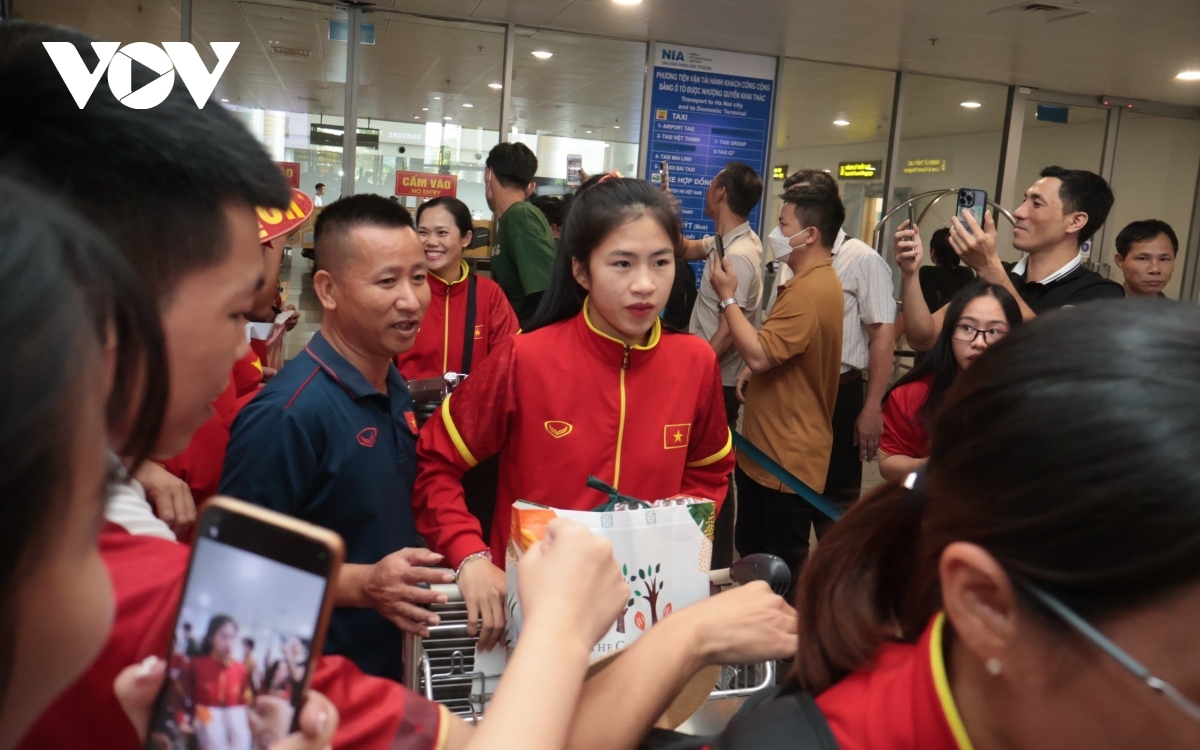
<point>730,198</point>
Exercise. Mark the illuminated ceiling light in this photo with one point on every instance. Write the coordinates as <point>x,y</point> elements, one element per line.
<point>225,100</point>
<point>468,104</point>
<point>447,117</point>
<point>495,85</point>
<point>416,117</point>
<point>588,132</point>
<point>616,127</point>
<point>437,98</point>
<point>424,109</point>
<point>628,2</point>
<point>841,122</point>
<point>1189,75</point>
<point>542,54</point>
<point>972,105</point>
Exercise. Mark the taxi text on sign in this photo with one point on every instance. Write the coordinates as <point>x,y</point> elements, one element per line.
<point>426,185</point>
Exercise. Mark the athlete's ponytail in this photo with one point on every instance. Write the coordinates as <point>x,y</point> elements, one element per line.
<point>1070,452</point>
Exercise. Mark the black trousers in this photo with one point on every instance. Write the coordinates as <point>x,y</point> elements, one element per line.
<point>722,556</point>
<point>772,521</point>
<point>843,482</point>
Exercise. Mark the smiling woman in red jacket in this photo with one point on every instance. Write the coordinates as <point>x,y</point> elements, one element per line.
<point>445,227</point>
<point>596,387</point>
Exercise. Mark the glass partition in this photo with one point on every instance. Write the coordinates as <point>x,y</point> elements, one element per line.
<point>836,118</point>
<point>1154,177</point>
<point>577,95</point>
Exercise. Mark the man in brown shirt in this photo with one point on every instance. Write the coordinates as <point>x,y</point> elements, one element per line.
<point>795,360</point>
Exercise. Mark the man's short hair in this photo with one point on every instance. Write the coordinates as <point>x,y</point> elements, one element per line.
<point>743,187</point>
<point>346,214</point>
<point>319,185</point>
<point>818,206</point>
<point>941,249</point>
<point>553,208</point>
<point>811,177</point>
<point>1144,231</point>
<point>513,164</point>
<point>1084,191</point>
<point>156,182</point>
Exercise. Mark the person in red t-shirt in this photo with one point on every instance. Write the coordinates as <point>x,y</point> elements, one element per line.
<point>983,314</point>
<point>446,229</point>
<point>219,689</point>
<point>596,387</point>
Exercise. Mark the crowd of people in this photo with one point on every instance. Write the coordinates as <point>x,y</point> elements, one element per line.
<point>1027,576</point>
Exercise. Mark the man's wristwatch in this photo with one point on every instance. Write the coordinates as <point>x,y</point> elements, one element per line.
<point>731,302</point>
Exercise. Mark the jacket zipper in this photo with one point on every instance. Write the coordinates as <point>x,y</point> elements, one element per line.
<point>621,423</point>
<point>446,335</point>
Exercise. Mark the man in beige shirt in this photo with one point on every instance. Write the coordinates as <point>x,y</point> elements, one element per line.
<point>796,360</point>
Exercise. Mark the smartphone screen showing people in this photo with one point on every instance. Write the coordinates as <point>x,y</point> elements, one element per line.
<point>242,647</point>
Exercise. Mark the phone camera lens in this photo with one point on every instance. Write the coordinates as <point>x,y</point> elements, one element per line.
<point>212,531</point>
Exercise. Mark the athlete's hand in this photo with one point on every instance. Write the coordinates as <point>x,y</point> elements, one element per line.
<point>570,579</point>
<point>170,496</point>
<point>482,585</point>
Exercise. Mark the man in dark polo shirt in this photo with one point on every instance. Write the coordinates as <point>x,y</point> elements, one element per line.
<point>331,439</point>
<point>1061,211</point>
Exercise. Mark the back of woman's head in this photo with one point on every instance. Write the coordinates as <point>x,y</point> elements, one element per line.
<point>68,293</point>
<point>940,361</point>
<point>941,251</point>
<point>597,210</point>
<point>1070,453</point>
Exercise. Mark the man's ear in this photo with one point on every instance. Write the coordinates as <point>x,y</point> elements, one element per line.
<point>581,275</point>
<point>979,600</point>
<point>324,286</point>
<point>1077,221</point>
<point>1119,261</point>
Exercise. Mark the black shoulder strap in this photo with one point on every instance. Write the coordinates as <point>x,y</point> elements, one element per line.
<point>773,721</point>
<point>469,326</point>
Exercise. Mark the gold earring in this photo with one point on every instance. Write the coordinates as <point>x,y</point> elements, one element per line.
<point>993,667</point>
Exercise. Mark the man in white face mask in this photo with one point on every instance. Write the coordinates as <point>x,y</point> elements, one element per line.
<point>795,360</point>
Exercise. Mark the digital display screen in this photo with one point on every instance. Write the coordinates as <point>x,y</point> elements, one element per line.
<point>241,649</point>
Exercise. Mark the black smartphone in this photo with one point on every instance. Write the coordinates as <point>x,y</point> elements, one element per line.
<point>720,243</point>
<point>664,175</point>
<point>973,200</point>
<point>249,629</point>
<point>912,222</point>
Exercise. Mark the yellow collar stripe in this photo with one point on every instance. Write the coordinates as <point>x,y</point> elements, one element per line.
<point>942,684</point>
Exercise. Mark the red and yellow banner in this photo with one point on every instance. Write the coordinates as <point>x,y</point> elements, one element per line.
<point>426,185</point>
<point>274,223</point>
<point>291,170</point>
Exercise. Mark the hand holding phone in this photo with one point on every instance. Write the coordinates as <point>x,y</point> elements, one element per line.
<point>720,245</point>
<point>907,247</point>
<point>974,238</point>
<point>664,176</point>
<point>257,594</point>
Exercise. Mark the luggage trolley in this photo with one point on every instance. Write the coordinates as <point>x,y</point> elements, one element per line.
<point>442,666</point>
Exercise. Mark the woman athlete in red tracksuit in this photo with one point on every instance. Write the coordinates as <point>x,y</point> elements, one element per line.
<point>596,387</point>
<point>445,227</point>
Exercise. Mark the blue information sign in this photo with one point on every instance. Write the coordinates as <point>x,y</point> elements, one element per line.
<point>707,108</point>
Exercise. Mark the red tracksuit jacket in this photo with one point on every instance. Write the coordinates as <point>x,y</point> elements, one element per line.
<point>439,345</point>
<point>564,402</point>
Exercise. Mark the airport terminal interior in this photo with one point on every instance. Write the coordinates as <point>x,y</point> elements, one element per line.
<point>909,107</point>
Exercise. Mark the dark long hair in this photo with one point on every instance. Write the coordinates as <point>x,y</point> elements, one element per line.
<point>940,360</point>
<point>1069,453</point>
<point>597,210</point>
<point>67,292</point>
<point>214,626</point>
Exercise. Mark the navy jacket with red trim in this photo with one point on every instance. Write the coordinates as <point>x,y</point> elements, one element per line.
<point>320,443</point>
<point>564,402</point>
<point>439,346</point>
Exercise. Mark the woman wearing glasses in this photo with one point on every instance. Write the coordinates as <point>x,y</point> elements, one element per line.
<point>1037,585</point>
<point>983,313</point>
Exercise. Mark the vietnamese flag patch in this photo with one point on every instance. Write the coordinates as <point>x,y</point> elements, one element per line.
<point>412,421</point>
<point>676,436</point>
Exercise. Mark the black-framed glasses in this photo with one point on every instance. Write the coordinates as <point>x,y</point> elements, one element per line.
<point>1119,655</point>
<point>968,334</point>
